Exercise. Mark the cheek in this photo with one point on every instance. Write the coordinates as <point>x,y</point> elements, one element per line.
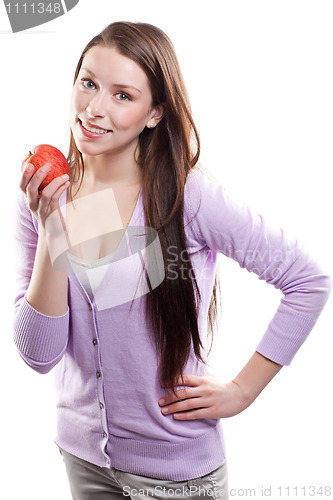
<point>131,117</point>
<point>77,105</point>
<point>77,102</point>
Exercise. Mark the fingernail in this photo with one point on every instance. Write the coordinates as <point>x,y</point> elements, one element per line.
<point>165,410</point>
<point>28,168</point>
<point>161,402</point>
<point>45,168</point>
<point>65,176</point>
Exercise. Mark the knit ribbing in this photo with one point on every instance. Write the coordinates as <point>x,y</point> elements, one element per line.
<point>285,334</point>
<point>42,338</point>
<point>177,462</point>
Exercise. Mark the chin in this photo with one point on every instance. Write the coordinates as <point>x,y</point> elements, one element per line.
<point>87,151</point>
<point>85,147</point>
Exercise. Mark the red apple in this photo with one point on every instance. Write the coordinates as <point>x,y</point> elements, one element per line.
<point>42,154</point>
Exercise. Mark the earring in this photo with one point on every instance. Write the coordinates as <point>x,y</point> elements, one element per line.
<point>152,124</point>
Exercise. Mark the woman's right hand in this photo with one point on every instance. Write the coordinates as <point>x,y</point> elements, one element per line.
<point>43,203</point>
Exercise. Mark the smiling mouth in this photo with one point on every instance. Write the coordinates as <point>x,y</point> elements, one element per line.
<point>94,130</point>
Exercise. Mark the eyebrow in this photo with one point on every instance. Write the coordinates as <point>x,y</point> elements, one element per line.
<point>119,85</point>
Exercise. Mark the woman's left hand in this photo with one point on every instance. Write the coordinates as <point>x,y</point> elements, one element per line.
<point>205,397</point>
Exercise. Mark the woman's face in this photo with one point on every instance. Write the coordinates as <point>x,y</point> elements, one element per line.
<point>111,103</point>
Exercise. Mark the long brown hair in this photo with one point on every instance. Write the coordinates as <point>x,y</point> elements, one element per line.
<point>166,154</point>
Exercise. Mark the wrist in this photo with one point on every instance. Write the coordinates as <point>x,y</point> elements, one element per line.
<point>255,376</point>
<point>246,393</point>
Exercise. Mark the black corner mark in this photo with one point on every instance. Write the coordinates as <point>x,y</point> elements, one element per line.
<point>23,15</point>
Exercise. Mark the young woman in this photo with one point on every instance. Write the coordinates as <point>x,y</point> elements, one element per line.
<point>126,324</point>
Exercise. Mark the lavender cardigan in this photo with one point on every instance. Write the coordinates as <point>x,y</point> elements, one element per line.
<point>105,361</point>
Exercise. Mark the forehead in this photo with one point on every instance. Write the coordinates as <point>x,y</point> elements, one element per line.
<point>112,67</point>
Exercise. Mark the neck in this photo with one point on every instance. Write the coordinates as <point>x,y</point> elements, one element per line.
<point>117,169</point>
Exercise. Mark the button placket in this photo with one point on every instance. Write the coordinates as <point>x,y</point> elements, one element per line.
<point>99,378</point>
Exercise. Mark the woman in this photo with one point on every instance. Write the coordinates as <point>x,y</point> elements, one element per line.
<point>138,413</point>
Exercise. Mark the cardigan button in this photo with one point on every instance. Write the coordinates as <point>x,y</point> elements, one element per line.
<point>90,306</point>
<point>95,341</point>
<point>98,374</point>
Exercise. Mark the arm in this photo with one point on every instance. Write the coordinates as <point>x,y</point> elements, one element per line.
<point>41,315</point>
<point>47,290</point>
<point>254,377</point>
<point>225,226</point>
<point>207,397</point>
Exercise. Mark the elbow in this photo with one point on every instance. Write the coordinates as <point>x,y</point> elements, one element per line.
<point>310,289</point>
<point>43,368</point>
<point>323,288</point>
<point>40,340</point>
<point>329,285</point>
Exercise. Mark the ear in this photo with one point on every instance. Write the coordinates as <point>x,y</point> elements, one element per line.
<point>156,116</point>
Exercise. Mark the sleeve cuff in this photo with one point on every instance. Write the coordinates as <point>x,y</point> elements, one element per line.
<point>285,335</point>
<point>41,338</point>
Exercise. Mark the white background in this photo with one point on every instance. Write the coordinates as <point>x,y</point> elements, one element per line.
<point>260,79</point>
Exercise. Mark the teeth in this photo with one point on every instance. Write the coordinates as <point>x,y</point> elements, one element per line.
<point>93,129</point>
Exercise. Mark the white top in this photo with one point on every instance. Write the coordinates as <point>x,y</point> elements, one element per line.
<point>90,274</point>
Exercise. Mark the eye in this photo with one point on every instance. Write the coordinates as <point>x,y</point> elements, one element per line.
<point>87,83</point>
<point>121,96</point>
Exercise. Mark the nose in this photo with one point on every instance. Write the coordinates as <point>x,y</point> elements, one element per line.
<point>89,111</point>
<point>96,106</point>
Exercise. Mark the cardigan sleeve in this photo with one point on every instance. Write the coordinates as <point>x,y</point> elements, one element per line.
<point>40,339</point>
<point>224,225</point>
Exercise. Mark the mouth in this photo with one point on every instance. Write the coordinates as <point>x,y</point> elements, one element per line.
<point>93,129</point>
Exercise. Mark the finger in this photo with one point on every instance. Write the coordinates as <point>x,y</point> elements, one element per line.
<point>181,395</point>
<point>49,196</point>
<point>189,379</point>
<point>31,190</point>
<point>180,406</point>
<point>27,173</point>
<point>54,204</point>
<point>194,414</point>
<point>54,189</point>
<point>54,185</point>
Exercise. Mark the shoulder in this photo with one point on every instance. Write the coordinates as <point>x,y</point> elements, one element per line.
<point>203,200</point>
<point>216,217</point>
<point>204,195</point>
<point>198,183</point>
<point>199,179</point>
